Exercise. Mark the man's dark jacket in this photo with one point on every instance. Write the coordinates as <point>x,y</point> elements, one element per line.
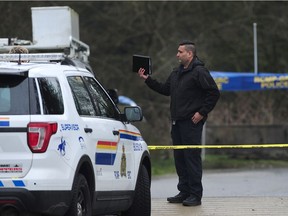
<point>192,90</point>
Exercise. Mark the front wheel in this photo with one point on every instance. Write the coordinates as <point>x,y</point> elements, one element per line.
<point>81,200</point>
<point>141,205</point>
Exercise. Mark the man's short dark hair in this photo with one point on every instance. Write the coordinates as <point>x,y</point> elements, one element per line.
<point>189,46</point>
<point>186,42</point>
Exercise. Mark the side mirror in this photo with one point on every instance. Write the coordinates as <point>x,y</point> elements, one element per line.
<point>133,114</point>
<point>113,95</point>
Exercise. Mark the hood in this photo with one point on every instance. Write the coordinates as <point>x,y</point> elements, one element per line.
<point>195,62</point>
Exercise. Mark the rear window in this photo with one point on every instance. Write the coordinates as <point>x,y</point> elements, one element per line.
<point>19,96</point>
<point>14,93</point>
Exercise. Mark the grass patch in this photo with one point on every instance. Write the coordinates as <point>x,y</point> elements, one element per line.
<point>162,167</point>
<point>165,165</point>
<point>226,162</point>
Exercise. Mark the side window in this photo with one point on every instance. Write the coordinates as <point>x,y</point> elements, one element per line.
<point>34,97</point>
<point>52,99</point>
<point>101,100</point>
<point>81,96</point>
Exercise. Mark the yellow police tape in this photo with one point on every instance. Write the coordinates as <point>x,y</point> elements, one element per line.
<point>158,147</point>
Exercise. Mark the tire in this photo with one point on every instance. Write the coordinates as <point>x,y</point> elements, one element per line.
<point>141,205</point>
<point>10,212</point>
<point>81,199</point>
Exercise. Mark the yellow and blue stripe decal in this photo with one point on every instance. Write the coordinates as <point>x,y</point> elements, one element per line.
<point>130,135</point>
<point>106,150</point>
<point>106,153</point>
<point>4,122</point>
<point>16,183</point>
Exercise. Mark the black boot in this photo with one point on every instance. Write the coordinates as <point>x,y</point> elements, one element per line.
<point>179,198</point>
<point>192,201</point>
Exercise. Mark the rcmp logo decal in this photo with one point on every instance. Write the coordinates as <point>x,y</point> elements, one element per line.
<point>123,165</point>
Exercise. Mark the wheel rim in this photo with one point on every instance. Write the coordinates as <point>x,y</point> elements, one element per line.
<point>81,204</point>
<point>79,209</point>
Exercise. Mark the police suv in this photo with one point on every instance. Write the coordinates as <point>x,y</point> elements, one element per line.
<point>65,148</point>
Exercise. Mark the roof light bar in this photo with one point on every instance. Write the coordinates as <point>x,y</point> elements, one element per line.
<point>32,57</point>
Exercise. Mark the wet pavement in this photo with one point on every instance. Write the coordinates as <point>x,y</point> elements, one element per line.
<point>230,192</point>
<point>225,206</point>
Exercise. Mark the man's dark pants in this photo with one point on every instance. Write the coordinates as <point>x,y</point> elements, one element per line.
<point>188,162</point>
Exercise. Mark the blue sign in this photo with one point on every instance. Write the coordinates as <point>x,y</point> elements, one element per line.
<point>236,81</point>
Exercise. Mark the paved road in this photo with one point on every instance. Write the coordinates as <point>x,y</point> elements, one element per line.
<point>225,206</point>
<point>266,182</point>
<point>228,193</point>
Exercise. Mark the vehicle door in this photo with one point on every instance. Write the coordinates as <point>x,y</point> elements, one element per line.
<point>103,127</point>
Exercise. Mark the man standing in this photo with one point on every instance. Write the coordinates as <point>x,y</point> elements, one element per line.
<point>193,94</point>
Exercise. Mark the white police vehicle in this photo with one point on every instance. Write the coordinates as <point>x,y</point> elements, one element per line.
<point>65,148</point>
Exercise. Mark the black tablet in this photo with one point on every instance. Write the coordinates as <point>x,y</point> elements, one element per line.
<point>140,61</point>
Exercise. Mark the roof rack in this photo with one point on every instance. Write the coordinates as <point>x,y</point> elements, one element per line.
<point>32,57</point>
<point>74,50</point>
<point>61,39</point>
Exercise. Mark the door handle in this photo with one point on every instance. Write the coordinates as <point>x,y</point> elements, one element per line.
<point>88,130</point>
<point>115,132</point>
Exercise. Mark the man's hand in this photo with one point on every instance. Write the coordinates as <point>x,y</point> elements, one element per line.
<point>141,74</point>
<point>197,117</point>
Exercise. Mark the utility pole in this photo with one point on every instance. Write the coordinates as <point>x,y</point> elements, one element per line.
<point>255,49</point>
